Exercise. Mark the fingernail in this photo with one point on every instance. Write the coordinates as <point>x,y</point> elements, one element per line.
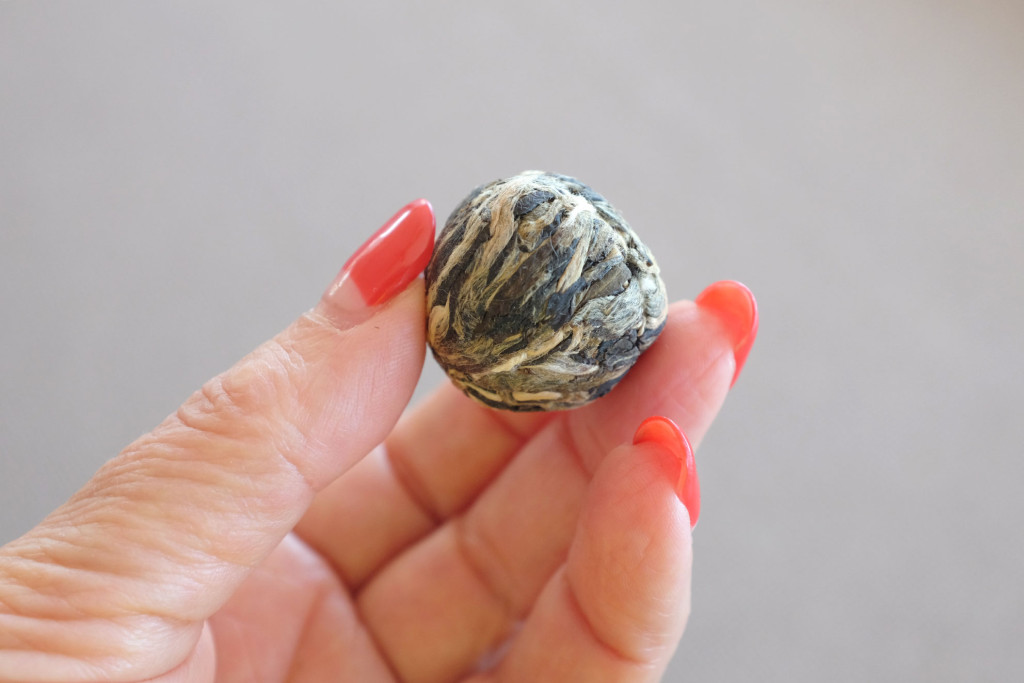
<point>388,261</point>
<point>734,304</point>
<point>681,468</point>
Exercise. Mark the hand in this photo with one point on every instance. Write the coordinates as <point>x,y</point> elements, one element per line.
<point>261,533</point>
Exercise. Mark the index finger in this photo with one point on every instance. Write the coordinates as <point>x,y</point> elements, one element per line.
<point>443,454</point>
<point>448,599</point>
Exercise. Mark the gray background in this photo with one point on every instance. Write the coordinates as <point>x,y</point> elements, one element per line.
<point>179,180</point>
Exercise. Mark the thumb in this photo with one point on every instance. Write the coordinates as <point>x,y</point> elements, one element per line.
<point>117,582</point>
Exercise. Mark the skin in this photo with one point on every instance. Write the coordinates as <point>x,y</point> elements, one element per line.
<point>288,523</point>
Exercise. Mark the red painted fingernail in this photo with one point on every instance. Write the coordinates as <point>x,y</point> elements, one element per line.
<point>734,304</point>
<point>681,468</point>
<point>388,261</point>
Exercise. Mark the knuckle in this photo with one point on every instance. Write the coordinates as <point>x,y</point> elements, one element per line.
<point>254,399</point>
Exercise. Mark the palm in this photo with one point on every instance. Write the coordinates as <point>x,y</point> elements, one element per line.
<point>459,533</point>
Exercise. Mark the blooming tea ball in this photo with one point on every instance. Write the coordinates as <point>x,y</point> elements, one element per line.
<point>539,294</point>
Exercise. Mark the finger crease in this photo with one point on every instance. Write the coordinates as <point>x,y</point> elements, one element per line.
<point>465,541</point>
<point>497,420</point>
<point>569,442</point>
<point>577,607</point>
<point>412,485</point>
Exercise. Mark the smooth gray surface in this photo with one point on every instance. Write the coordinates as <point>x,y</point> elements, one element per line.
<point>179,180</point>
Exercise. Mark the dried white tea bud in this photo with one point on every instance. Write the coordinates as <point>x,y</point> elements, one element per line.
<point>539,295</point>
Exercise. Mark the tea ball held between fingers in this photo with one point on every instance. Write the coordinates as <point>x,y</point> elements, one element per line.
<point>539,294</point>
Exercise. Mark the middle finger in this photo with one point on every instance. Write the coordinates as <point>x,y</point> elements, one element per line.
<point>435,462</point>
